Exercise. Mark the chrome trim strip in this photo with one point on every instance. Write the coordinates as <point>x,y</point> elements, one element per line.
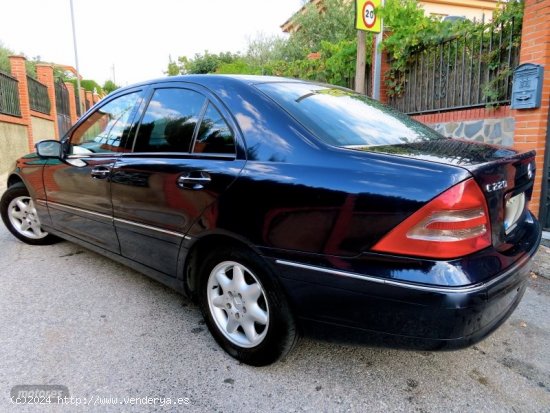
<point>109,217</point>
<point>404,284</point>
<point>41,202</point>
<point>164,231</point>
<point>182,155</point>
<point>113,155</point>
<point>85,211</point>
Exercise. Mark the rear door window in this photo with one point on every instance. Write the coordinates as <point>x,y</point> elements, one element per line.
<point>214,135</point>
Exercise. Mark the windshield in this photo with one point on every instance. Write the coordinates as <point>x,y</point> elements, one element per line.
<point>341,117</point>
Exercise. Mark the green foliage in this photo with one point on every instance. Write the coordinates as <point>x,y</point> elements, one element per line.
<point>334,24</point>
<point>109,86</point>
<point>238,66</point>
<point>264,49</point>
<point>410,31</point>
<point>495,88</point>
<point>59,74</point>
<point>5,53</point>
<point>200,64</point>
<point>4,58</point>
<point>173,68</point>
<point>329,32</point>
<point>91,85</point>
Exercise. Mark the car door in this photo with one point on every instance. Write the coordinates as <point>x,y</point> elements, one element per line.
<point>78,187</point>
<point>184,157</point>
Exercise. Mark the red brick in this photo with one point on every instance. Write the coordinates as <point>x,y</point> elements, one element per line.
<point>18,71</point>
<point>72,102</point>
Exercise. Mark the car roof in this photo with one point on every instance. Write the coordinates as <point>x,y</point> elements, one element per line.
<point>213,79</point>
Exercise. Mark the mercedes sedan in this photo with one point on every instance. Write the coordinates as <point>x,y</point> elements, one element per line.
<point>278,203</point>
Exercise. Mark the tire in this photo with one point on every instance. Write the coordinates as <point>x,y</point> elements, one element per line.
<point>20,217</point>
<point>244,308</point>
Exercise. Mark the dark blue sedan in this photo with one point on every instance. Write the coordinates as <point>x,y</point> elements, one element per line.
<point>277,203</point>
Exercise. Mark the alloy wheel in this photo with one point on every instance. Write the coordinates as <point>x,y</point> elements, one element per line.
<point>24,219</point>
<point>238,304</point>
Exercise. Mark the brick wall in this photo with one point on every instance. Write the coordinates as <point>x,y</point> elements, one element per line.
<point>32,120</point>
<point>44,73</point>
<point>19,72</point>
<point>532,124</point>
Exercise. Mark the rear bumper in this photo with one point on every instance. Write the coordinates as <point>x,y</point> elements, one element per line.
<point>442,317</point>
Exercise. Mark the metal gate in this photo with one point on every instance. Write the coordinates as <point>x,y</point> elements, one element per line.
<point>62,106</point>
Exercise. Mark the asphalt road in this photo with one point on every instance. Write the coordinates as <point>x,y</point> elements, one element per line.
<point>70,317</point>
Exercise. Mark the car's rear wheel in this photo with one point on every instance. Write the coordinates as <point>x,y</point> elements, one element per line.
<point>20,216</point>
<point>245,308</point>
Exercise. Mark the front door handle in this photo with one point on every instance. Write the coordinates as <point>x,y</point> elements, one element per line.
<point>194,180</point>
<point>100,172</point>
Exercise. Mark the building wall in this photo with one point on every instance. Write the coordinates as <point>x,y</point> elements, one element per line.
<point>42,129</point>
<point>473,9</point>
<point>13,144</point>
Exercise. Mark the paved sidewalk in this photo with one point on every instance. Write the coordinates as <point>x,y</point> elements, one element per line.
<point>73,318</point>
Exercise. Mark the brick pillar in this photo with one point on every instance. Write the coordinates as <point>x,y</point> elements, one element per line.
<point>72,102</point>
<point>532,124</point>
<point>89,98</point>
<point>83,100</point>
<point>19,72</point>
<point>384,70</point>
<point>96,98</point>
<point>44,73</point>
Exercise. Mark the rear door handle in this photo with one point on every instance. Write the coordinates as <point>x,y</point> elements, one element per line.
<point>100,172</point>
<point>194,180</point>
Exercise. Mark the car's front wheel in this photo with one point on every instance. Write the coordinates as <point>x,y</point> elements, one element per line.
<point>20,217</point>
<point>244,307</point>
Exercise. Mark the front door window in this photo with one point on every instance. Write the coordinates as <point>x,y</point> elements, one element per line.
<point>107,129</point>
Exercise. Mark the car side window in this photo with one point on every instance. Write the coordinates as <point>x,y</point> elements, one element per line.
<point>215,135</point>
<point>107,129</point>
<point>169,122</point>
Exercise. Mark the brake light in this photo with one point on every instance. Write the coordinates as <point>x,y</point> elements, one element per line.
<point>454,224</point>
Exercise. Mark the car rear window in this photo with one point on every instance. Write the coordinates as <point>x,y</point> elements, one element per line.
<point>341,117</point>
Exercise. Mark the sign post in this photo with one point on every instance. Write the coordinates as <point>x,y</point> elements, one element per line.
<point>367,20</point>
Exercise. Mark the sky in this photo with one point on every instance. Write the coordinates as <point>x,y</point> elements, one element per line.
<point>137,37</point>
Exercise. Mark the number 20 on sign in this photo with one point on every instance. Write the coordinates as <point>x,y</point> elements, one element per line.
<point>365,15</point>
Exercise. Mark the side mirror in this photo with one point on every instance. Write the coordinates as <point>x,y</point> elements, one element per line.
<point>49,149</point>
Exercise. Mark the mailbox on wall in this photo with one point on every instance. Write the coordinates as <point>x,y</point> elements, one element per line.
<point>527,86</point>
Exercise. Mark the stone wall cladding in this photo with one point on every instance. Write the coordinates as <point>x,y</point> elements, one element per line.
<point>499,131</point>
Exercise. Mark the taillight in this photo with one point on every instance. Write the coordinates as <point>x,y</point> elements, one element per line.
<point>454,224</point>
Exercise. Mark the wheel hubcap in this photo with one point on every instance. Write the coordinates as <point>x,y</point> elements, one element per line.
<point>23,217</point>
<point>238,304</point>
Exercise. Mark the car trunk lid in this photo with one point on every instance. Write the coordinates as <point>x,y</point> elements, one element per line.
<point>504,175</point>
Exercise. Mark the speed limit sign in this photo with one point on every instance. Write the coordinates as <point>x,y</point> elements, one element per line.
<point>366,18</point>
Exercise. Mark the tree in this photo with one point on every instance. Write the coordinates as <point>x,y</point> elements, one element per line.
<point>91,85</point>
<point>333,23</point>
<point>4,58</point>
<point>109,86</point>
<point>200,64</point>
<point>262,49</point>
